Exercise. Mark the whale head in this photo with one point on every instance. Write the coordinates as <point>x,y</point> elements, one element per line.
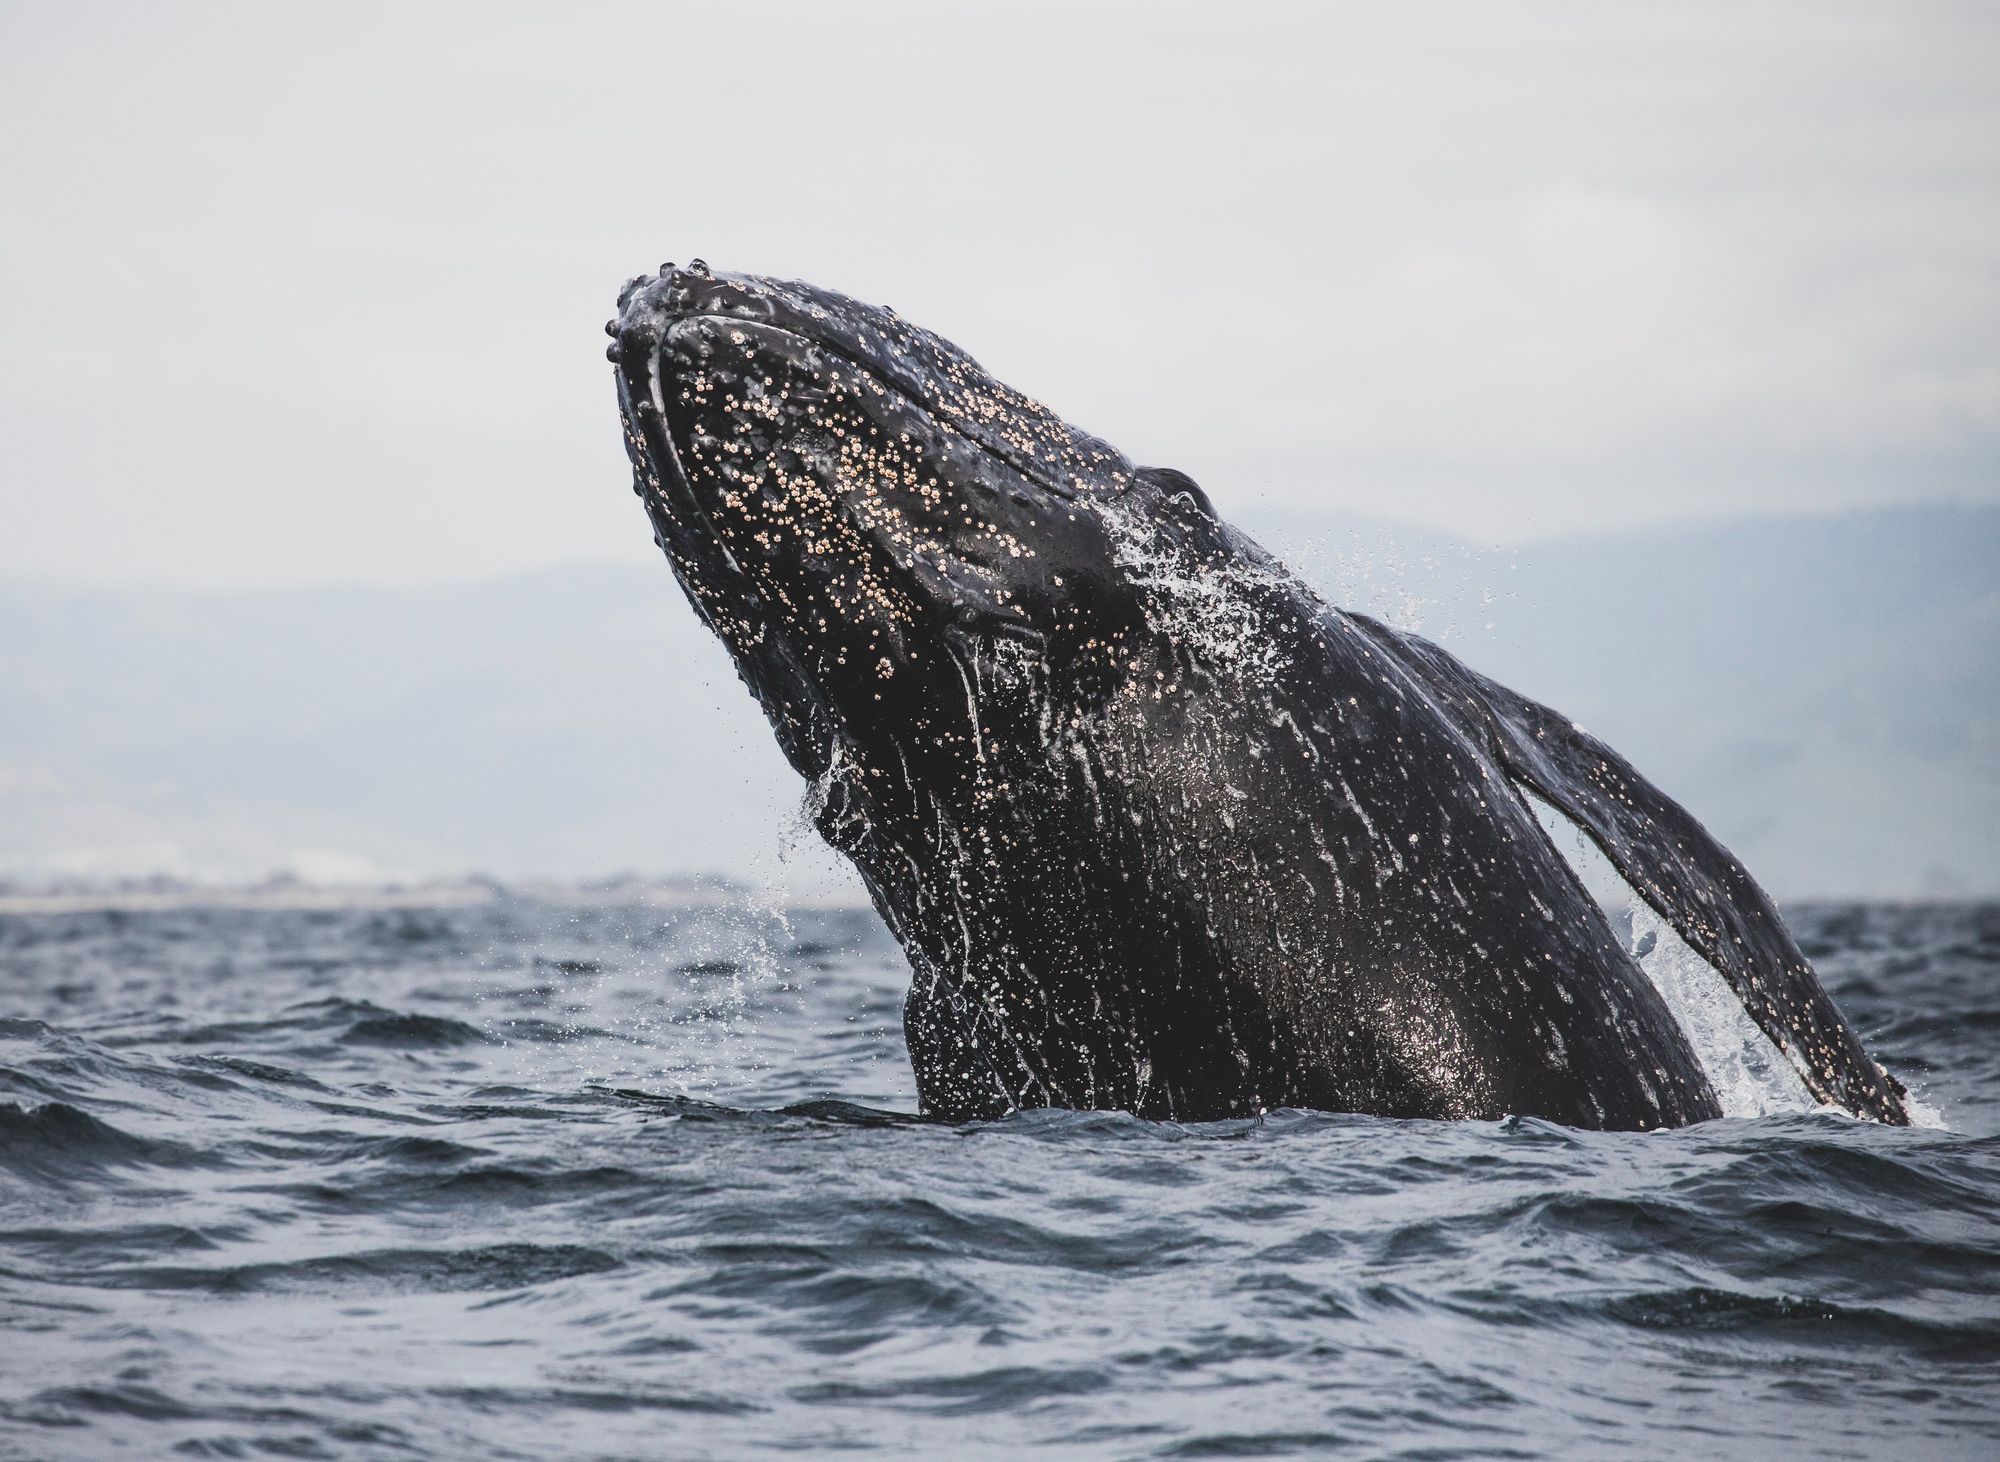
<point>861,512</point>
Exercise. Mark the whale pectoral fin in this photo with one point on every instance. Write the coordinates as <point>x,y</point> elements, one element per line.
<point>1674,863</point>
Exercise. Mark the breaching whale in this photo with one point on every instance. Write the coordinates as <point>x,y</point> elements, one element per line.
<point>1158,828</point>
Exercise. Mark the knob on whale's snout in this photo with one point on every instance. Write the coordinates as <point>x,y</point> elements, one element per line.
<point>633,285</point>
<point>649,302</point>
<point>644,306</point>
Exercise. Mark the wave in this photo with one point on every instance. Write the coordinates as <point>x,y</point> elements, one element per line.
<point>376,1272</point>
<point>413,1032</point>
<point>558,1214</point>
<point>57,1142</point>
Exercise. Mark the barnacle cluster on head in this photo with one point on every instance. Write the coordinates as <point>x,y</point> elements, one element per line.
<point>918,545</point>
<point>860,469</point>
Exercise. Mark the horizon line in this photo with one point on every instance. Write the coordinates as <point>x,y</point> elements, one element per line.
<point>643,554</point>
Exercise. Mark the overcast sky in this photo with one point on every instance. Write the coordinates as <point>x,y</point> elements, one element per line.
<point>298,294</point>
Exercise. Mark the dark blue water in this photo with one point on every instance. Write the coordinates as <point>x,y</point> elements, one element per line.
<point>538,1180</point>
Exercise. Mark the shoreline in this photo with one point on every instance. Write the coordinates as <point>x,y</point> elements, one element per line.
<point>445,894</point>
<point>665,893</point>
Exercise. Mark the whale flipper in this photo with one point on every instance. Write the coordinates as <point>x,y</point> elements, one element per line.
<point>1674,863</point>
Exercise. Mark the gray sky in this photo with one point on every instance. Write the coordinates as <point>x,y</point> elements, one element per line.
<point>298,294</point>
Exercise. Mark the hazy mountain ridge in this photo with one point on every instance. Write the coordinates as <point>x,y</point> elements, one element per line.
<point>1820,691</point>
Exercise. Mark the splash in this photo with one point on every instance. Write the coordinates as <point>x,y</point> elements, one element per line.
<point>1751,1077</point>
<point>665,997</point>
<point>1217,613</point>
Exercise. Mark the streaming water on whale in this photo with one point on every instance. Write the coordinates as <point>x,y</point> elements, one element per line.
<point>1751,1076</point>
<point>599,1176</point>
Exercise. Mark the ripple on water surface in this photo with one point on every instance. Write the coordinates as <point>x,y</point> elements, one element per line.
<point>521,1180</point>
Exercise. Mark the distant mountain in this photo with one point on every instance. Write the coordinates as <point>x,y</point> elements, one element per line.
<point>573,722</point>
<point>1824,693</point>
<point>1821,692</point>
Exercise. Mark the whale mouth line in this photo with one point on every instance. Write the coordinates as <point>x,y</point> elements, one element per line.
<point>702,525</point>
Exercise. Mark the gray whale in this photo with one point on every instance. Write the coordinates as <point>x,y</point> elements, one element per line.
<point>1158,828</point>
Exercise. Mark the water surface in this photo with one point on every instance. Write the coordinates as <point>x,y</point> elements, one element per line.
<point>545,1180</point>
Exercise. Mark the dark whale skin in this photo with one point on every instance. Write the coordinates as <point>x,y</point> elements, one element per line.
<point>1159,829</point>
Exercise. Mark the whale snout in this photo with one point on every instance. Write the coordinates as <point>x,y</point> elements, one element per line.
<point>647,304</point>
<point>650,303</point>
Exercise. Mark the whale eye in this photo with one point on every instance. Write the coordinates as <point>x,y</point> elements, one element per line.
<point>1175,485</point>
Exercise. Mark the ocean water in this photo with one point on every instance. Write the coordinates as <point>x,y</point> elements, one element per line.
<point>549,1179</point>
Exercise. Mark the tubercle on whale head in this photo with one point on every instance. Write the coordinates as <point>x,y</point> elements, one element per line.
<point>852,501</point>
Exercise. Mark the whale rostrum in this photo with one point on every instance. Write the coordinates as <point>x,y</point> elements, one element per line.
<point>1158,828</point>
